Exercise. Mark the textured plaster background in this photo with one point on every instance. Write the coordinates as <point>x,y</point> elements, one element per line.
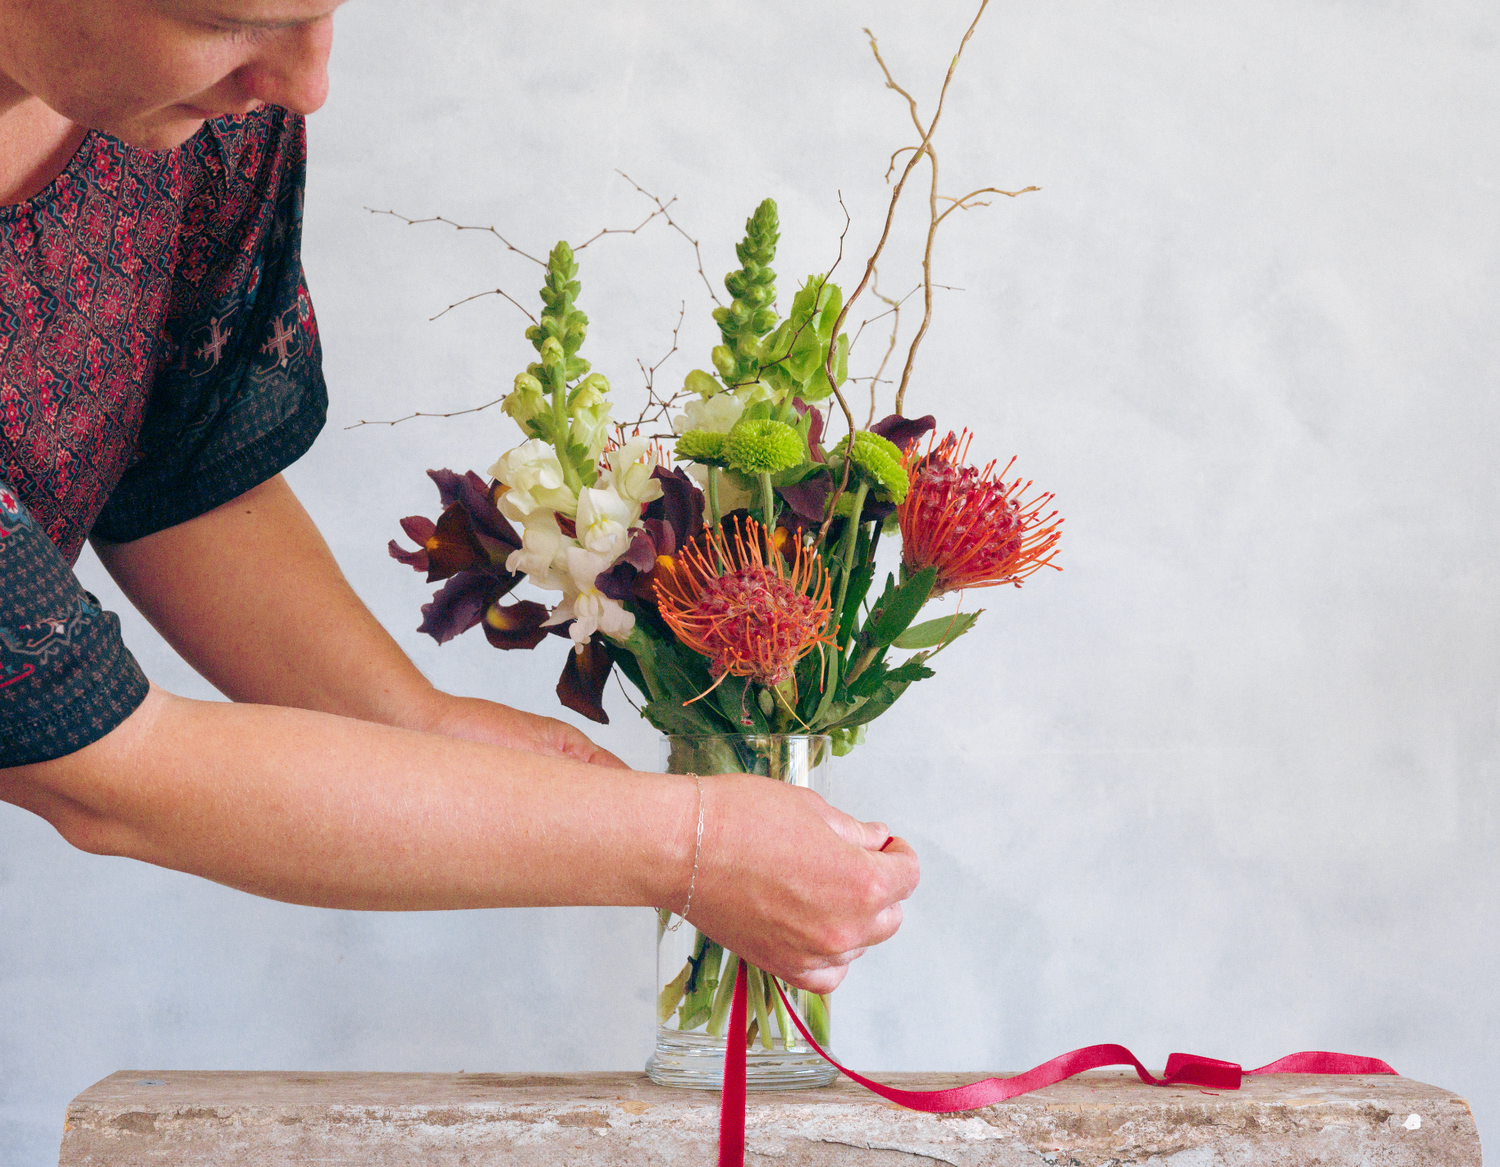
<point>1227,784</point>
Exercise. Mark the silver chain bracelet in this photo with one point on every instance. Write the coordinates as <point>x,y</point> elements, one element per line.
<point>697,850</point>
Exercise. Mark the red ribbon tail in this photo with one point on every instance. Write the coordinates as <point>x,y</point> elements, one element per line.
<point>1322,1062</point>
<point>732,1097</point>
<point>1182,1069</point>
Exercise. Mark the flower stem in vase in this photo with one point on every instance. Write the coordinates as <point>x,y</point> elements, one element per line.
<point>698,1000</point>
<point>758,1004</point>
<point>724,997</point>
<point>667,1000</point>
<point>783,1022</point>
<point>815,1013</point>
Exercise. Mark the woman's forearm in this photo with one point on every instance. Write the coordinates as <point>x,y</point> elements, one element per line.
<point>318,809</point>
<point>313,808</point>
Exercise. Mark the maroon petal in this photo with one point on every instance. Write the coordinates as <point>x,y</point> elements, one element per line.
<point>416,559</point>
<point>447,484</point>
<point>663,538</point>
<point>581,686</point>
<point>618,583</point>
<point>517,625</point>
<point>642,552</point>
<point>808,499</point>
<point>418,528</point>
<point>476,497</point>
<point>453,547</point>
<point>904,432</point>
<point>680,504</point>
<point>815,429</point>
<point>461,602</point>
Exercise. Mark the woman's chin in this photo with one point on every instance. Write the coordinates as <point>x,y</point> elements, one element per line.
<point>164,130</point>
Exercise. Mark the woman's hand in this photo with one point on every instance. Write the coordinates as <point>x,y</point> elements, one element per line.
<point>791,884</point>
<point>476,720</point>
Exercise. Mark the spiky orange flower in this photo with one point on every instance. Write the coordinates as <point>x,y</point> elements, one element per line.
<point>969,524</point>
<point>742,606</point>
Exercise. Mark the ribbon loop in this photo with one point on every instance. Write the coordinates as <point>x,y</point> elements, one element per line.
<point>1192,1070</point>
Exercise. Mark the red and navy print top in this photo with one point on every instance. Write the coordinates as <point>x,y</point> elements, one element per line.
<point>158,357</point>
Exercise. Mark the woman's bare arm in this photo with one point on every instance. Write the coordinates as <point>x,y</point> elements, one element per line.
<point>315,808</point>
<point>251,597</point>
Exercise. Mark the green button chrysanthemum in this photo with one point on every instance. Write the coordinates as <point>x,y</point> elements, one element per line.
<point>700,446</point>
<point>764,447</point>
<point>881,462</point>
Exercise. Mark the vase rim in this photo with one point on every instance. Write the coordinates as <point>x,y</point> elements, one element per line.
<point>785,737</point>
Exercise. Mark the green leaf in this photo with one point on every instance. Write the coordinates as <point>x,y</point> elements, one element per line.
<point>859,587</point>
<point>897,609</point>
<point>671,716</point>
<point>896,682</point>
<point>935,633</point>
<point>737,701</point>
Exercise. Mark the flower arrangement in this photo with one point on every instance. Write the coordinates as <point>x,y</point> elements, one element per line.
<point>733,579</point>
<point>734,589</point>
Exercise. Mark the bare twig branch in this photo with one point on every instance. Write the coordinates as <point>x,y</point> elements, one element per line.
<point>479,295</point>
<point>657,408</point>
<point>509,246</point>
<point>963,204</point>
<point>409,416</point>
<point>662,210</point>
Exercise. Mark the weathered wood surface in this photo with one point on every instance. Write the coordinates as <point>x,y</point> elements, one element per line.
<point>204,1119</point>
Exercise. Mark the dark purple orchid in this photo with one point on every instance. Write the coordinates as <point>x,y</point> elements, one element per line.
<point>467,546</point>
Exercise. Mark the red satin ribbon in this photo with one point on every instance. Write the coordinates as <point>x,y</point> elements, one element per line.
<point>1182,1070</point>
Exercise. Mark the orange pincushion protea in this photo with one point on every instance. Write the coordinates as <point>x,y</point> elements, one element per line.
<point>974,529</point>
<point>750,617</point>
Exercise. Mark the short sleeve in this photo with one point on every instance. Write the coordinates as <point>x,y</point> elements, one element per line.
<point>239,394</point>
<point>66,678</point>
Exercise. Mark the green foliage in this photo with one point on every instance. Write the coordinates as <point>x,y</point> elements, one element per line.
<point>898,607</point>
<point>936,633</point>
<point>794,357</point>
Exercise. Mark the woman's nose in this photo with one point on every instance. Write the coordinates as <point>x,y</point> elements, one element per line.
<point>291,67</point>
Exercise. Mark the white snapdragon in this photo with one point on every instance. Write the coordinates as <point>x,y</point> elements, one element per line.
<point>583,603</point>
<point>629,471</point>
<point>534,478</point>
<point>542,556</point>
<point>604,522</point>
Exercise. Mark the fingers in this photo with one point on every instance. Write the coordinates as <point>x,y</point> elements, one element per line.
<point>823,980</point>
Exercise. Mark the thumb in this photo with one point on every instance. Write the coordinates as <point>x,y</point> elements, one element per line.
<point>866,836</point>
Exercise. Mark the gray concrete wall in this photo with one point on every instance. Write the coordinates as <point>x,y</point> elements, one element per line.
<point>1227,784</point>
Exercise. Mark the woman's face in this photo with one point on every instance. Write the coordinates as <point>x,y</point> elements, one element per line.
<point>152,71</point>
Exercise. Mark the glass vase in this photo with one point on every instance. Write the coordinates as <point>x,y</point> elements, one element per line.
<point>695,976</point>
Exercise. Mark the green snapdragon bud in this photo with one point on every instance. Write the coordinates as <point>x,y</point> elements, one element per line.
<point>749,316</point>
<point>880,461</point>
<point>702,384</point>
<point>702,446</point>
<point>525,401</point>
<point>764,447</point>
<point>552,353</point>
<point>589,392</point>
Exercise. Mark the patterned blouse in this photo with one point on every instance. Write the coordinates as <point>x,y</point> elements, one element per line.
<point>158,357</point>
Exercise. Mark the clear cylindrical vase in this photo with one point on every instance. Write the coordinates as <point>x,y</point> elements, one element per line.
<point>695,977</point>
